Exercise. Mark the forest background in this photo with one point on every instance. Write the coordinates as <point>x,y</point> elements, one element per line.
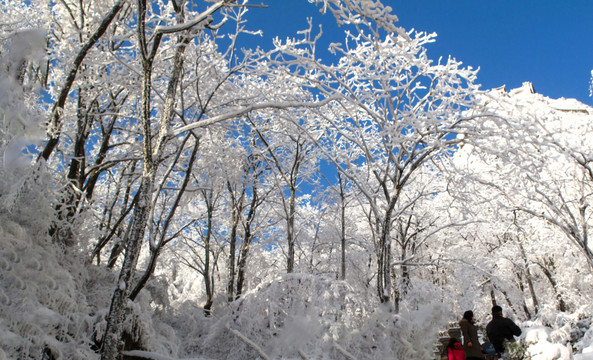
<point>168,191</point>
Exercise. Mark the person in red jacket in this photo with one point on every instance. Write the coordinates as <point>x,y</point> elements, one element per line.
<point>455,350</point>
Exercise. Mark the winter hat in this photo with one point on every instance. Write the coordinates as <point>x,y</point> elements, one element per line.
<point>497,310</point>
<point>468,315</point>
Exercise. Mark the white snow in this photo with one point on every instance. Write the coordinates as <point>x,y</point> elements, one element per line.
<point>545,350</point>
<point>570,105</point>
<point>457,251</point>
<point>537,334</point>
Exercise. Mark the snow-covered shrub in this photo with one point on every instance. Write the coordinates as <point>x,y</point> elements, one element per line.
<point>21,181</point>
<point>567,329</point>
<point>52,304</point>
<point>43,307</point>
<point>190,325</point>
<point>515,351</point>
<point>557,335</point>
<point>147,321</point>
<point>422,290</point>
<point>411,334</point>
<point>585,343</point>
<point>540,346</point>
<point>293,313</point>
<point>317,317</point>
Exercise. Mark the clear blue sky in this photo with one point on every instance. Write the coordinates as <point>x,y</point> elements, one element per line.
<point>549,43</point>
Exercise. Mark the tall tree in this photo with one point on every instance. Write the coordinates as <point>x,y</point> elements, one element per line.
<point>112,344</point>
<point>395,113</point>
<point>544,150</point>
<point>293,156</point>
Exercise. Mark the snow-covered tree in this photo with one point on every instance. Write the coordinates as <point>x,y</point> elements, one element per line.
<point>542,155</point>
<point>394,112</point>
<point>198,170</point>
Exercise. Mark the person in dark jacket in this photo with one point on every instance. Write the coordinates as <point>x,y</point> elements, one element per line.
<point>500,329</point>
<point>471,343</point>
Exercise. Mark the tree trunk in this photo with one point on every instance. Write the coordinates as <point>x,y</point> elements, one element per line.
<point>242,264</point>
<point>342,229</point>
<point>508,300</point>
<point>112,343</point>
<point>492,295</point>
<point>231,261</point>
<point>208,275</point>
<point>290,231</point>
<point>545,266</point>
<point>522,288</point>
<point>236,212</point>
<point>384,255</point>
<point>529,279</point>
<point>245,245</point>
<point>384,268</point>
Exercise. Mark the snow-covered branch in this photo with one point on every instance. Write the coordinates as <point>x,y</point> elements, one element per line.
<point>243,338</point>
<point>247,109</point>
<point>162,29</point>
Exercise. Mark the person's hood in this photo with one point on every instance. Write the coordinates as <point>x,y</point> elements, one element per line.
<point>465,320</point>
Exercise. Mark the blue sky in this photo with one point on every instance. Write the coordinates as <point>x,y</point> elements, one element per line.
<point>549,43</point>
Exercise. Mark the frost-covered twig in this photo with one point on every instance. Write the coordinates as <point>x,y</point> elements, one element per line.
<point>247,109</point>
<point>343,351</point>
<point>188,25</point>
<point>250,343</point>
<point>58,108</point>
<point>303,355</point>
<point>138,354</point>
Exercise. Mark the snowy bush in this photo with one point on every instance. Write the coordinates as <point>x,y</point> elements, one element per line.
<point>538,341</point>
<point>43,307</point>
<point>585,344</point>
<point>304,315</point>
<point>20,127</point>
<point>55,305</point>
<point>557,335</point>
<point>290,314</point>
<point>411,334</point>
<point>571,330</point>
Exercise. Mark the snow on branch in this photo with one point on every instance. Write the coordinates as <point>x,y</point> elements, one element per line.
<point>250,343</point>
<point>138,354</point>
<point>190,24</point>
<point>591,85</point>
<point>363,11</point>
<point>343,351</point>
<point>303,355</point>
<point>248,109</point>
